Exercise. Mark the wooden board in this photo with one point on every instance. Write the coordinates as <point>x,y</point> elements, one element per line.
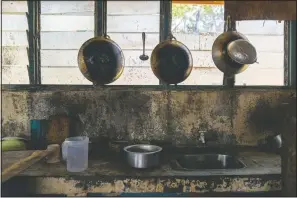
<point>14,162</point>
<point>261,10</point>
<point>11,157</point>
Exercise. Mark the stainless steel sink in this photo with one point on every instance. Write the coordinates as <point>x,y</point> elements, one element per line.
<point>207,161</point>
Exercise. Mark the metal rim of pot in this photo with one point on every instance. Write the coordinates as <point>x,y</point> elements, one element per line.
<point>117,53</point>
<point>219,50</point>
<point>157,149</point>
<point>14,138</point>
<point>155,60</point>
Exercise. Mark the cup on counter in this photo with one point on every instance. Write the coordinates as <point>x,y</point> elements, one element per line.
<point>75,152</point>
<point>38,130</point>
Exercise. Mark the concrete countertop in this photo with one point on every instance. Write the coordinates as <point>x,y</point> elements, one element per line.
<point>112,177</point>
<point>257,163</point>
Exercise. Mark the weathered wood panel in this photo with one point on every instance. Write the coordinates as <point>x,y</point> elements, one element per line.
<point>260,76</point>
<point>14,56</point>
<point>130,76</point>
<point>260,27</point>
<point>67,7</point>
<point>14,7</point>
<point>66,23</point>
<point>15,75</point>
<point>130,23</point>
<point>74,40</point>
<point>262,43</point>
<point>137,76</point>
<point>204,76</point>
<point>133,7</point>
<point>14,39</point>
<point>261,10</point>
<point>144,76</point>
<point>13,22</point>
<point>71,76</point>
<point>68,58</point>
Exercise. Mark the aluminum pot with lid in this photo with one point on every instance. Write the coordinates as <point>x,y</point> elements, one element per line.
<point>226,46</point>
<point>143,155</point>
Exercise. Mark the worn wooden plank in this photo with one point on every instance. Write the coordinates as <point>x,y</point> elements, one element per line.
<point>68,58</point>
<point>260,27</point>
<point>14,39</point>
<point>13,22</point>
<point>14,56</point>
<point>66,7</point>
<point>74,40</point>
<point>11,157</point>
<point>25,160</point>
<point>130,76</point>
<point>133,7</point>
<point>261,43</point>
<point>145,23</point>
<point>66,23</point>
<point>137,76</point>
<point>144,76</point>
<point>14,7</point>
<point>15,75</point>
<point>114,7</point>
<point>261,10</point>
<point>67,76</point>
<point>259,76</point>
<point>128,23</point>
<point>204,76</point>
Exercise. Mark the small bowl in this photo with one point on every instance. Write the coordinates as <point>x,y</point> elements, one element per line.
<point>13,144</point>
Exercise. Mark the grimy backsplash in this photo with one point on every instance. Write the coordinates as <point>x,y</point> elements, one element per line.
<point>239,116</point>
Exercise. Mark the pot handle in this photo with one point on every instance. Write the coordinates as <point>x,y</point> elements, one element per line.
<point>171,37</point>
<point>106,36</point>
<point>228,25</point>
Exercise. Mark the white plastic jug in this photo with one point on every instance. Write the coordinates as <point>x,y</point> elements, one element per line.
<point>75,152</point>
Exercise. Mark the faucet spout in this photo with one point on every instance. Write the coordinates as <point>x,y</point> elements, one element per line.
<point>202,137</point>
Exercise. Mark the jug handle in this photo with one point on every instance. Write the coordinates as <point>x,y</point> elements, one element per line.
<point>64,150</point>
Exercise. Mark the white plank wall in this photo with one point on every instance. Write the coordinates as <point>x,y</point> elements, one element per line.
<point>14,42</point>
<point>67,25</point>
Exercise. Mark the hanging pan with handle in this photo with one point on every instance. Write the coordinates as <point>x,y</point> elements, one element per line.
<point>100,59</point>
<point>171,61</point>
<point>232,52</point>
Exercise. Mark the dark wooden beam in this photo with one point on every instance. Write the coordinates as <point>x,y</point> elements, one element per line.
<point>261,10</point>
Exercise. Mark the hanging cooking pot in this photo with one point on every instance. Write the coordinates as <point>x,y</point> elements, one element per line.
<point>171,61</point>
<point>100,59</point>
<point>220,55</point>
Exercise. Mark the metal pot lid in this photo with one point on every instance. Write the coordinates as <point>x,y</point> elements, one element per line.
<point>242,51</point>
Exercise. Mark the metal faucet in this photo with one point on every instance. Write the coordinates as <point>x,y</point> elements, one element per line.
<point>201,136</point>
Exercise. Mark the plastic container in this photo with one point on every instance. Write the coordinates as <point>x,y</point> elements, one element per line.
<point>75,152</point>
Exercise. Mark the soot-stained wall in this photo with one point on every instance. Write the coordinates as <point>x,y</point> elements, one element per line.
<point>237,116</point>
